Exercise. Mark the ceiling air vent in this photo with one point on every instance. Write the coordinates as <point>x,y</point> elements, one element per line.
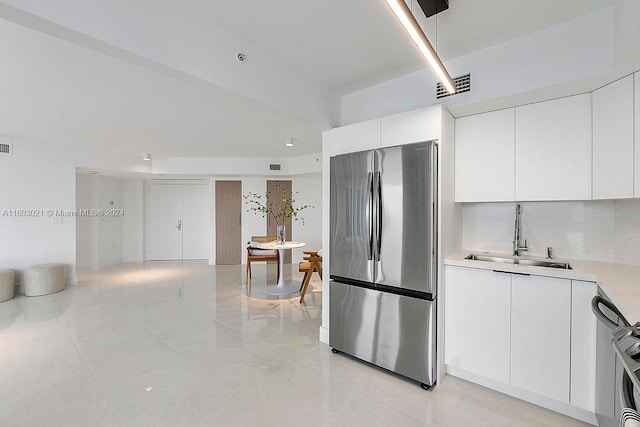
<point>463,84</point>
<point>275,167</point>
<point>6,148</point>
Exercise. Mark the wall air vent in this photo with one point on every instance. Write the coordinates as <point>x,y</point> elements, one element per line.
<point>6,148</point>
<point>463,84</point>
<point>275,167</point>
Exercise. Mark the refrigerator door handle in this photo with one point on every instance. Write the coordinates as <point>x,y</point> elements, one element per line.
<point>378,189</point>
<point>370,215</point>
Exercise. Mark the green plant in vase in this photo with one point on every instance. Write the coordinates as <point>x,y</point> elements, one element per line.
<point>276,206</point>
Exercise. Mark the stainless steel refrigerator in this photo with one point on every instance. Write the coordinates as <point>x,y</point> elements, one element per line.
<point>383,258</point>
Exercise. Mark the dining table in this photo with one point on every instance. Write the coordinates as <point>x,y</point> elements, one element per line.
<point>281,287</point>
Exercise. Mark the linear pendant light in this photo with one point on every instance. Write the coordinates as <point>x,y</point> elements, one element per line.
<point>408,21</point>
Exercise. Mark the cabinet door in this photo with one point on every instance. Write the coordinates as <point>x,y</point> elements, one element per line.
<point>414,126</point>
<point>477,321</point>
<point>613,140</point>
<point>541,335</point>
<point>485,163</point>
<point>553,149</point>
<point>357,137</point>
<point>583,346</point>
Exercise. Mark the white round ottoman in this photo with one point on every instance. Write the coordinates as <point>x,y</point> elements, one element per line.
<point>7,284</point>
<point>43,279</point>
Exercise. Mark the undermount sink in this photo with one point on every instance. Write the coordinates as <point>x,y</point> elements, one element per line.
<point>516,260</point>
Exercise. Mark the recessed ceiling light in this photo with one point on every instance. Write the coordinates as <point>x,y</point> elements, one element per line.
<point>289,142</point>
<point>147,157</point>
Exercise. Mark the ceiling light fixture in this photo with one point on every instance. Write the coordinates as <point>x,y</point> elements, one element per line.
<point>147,157</point>
<point>289,142</point>
<point>411,26</point>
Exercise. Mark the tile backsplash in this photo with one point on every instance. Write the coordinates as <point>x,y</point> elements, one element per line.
<point>606,230</point>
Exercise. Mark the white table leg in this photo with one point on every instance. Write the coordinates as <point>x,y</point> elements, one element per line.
<point>282,288</point>
<point>280,267</point>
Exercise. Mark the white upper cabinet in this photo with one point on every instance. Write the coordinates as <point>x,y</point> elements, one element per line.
<point>413,126</point>
<point>357,137</point>
<point>485,147</point>
<point>636,184</point>
<point>613,140</point>
<point>553,150</point>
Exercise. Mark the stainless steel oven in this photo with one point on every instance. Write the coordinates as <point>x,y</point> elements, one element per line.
<point>626,343</point>
<point>608,367</point>
<point>617,365</point>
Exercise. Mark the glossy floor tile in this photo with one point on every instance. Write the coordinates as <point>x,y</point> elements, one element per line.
<point>185,343</point>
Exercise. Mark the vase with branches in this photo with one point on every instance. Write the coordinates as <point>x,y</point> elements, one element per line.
<point>276,206</point>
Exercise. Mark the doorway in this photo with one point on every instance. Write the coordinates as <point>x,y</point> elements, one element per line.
<point>275,190</point>
<point>178,222</point>
<point>228,222</point>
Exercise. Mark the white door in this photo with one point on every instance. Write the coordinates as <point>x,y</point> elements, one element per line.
<point>165,227</point>
<point>195,224</point>
<point>178,222</point>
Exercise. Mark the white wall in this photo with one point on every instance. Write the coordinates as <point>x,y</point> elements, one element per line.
<point>603,230</point>
<point>85,232</point>
<point>98,239</point>
<point>106,241</point>
<point>307,190</point>
<point>108,195</point>
<point>578,53</point>
<point>43,176</point>
<point>223,166</point>
<point>133,220</point>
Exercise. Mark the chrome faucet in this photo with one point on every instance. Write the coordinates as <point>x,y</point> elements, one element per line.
<point>516,235</point>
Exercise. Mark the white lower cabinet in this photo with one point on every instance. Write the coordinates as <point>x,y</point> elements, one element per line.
<point>533,334</point>
<point>583,345</point>
<point>541,335</point>
<point>477,321</point>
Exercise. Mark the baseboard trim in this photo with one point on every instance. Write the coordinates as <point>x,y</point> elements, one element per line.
<point>545,402</point>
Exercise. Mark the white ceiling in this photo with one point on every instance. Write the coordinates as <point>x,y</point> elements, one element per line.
<point>353,44</point>
<point>56,89</point>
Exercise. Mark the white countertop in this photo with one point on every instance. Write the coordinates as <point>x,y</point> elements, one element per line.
<point>620,282</point>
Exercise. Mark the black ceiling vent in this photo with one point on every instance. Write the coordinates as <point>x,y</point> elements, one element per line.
<point>431,7</point>
<point>6,148</point>
<point>463,84</point>
<point>275,167</point>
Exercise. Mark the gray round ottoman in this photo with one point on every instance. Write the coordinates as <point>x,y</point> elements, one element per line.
<point>43,279</point>
<point>7,284</point>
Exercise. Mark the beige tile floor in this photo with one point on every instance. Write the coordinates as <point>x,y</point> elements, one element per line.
<point>171,344</point>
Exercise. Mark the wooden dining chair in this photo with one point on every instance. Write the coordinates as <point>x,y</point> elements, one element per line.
<point>256,254</point>
<point>313,262</point>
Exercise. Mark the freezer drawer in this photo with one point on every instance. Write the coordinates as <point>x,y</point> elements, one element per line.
<point>392,331</point>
